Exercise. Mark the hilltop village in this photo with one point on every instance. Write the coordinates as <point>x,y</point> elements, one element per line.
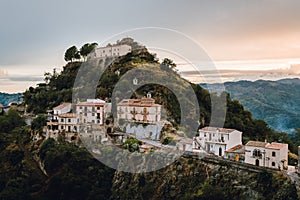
<point>141,119</point>
<point>64,139</point>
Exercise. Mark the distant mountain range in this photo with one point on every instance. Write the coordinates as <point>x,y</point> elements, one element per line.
<point>276,102</point>
<point>5,98</point>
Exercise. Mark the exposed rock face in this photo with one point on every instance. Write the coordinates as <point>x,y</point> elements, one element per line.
<point>191,178</point>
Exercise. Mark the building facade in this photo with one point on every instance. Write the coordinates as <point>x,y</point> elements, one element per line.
<point>274,155</point>
<point>68,122</point>
<point>143,110</point>
<point>90,112</point>
<point>61,109</point>
<point>110,51</point>
<point>217,140</point>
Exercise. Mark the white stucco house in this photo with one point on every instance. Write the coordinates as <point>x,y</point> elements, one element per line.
<point>217,140</point>
<point>67,122</point>
<point>61,109</point>
<point>90,112</point>
<point>274,155</point>
<point>110,51</point>
<point>143,110</point>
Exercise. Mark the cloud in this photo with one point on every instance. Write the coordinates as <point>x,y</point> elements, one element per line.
<point>3,72</point>
<point>26,78</point>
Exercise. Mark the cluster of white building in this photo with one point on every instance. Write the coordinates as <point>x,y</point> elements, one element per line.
<point>228,144</point>
<point>222,142</point>
<point>68,117</point>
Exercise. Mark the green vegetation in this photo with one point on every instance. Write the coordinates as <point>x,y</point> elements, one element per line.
<point>39,122</point>
<point>132,144</point>
<point>276,102</point>
<point>59,89</point>
<point>196,179</point>
<point>10,121</point>
<point>86,49</point>
<point>168,140</point>
<point>73,173</point>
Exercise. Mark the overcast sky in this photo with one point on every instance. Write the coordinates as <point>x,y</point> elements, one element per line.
<point>35,33</point>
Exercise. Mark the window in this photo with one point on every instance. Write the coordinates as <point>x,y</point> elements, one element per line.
<point>257,153</point>
<point>93,109</point>
<point>69,120</point>
<point>98,115</point>
<point>98,121</point>
<point>98,108</point>
<point>273,154</point>
<point>62,120</point>
<point>62,127</point>
<point>93,114</point>
<point>93,121</point>
<point>80,107</point>
<point>85,114</point>
<point>273,164</point>
<point>85,109</point>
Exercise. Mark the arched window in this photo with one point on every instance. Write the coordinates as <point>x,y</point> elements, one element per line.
<point>257,162</point>
<point>220,151</point>
<point>257,153</point>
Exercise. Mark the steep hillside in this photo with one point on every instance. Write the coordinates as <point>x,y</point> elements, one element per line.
<point>59,89</point>
<point>276,102</point>
<point>207,179</point>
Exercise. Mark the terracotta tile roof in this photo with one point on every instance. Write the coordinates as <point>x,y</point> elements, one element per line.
<point>143,102</point>
<point>90,104</point>
<point>61,106</point>
<point>275,145</point>
<point>256,144</point>
<point>209,128</point>
<point>238,149</point>
<point>68,115</point>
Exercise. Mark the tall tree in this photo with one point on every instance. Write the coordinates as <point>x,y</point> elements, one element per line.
<point>86,49</point>
<point>72,53</point>
<point>168,64</point>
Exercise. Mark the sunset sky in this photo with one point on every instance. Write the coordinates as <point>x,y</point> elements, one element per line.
<point>35,34</point>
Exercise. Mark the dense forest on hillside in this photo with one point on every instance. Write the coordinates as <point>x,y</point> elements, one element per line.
<point>276,102</point>
<point>69,172</point>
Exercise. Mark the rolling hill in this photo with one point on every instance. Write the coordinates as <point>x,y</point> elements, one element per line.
<point>6,98</point>
<point>276,102</point>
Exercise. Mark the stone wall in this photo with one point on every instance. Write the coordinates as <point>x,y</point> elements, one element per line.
<point>144,131</point>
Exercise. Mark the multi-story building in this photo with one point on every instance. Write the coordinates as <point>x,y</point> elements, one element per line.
<point>139,110</point>
<point>110,51</point>
<point>67,122</point>
<point>274,155</point>
<point>217,140</point>
<point>90,112</point>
